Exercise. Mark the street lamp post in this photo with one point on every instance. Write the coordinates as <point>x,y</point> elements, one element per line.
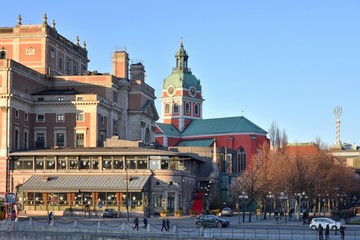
<point>299,195</point>
<point>205,191</point>
<point>283,197</point>
<point>243,196</point>
<point>270,196</point>
<point>127,190</point>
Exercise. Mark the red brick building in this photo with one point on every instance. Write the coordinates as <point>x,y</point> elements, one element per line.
<point>235,139</point>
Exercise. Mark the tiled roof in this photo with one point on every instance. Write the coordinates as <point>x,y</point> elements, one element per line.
<point>196,143</point>
<point>169,129</point>
<point>75,183</point>
<point>217,126</point>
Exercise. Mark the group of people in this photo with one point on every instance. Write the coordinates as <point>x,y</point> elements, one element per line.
<point>165,224</point>
<point>327,232</point>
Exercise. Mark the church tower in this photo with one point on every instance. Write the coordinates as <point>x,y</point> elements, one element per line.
<point>181,95</point>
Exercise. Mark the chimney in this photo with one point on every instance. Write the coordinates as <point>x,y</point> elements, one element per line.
<point>120,61</point>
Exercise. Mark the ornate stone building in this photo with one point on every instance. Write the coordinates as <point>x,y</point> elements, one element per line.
<point>49,98</point>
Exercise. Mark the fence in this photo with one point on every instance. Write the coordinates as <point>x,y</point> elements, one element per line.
<point>76,229</point>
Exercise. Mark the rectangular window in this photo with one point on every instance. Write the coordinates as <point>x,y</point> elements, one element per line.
<point>73,163</point>
<point>60,64</point>
<point>41,118</point>
<point>80,117</point>
<point>61,162</point>
<point>157,200</point>
<point>25,140</point>
<point>40,99</point>
<point>24,163</point>
<point>60,117</point>
<point>16,139</point>
<point>26,117</point>
<point>80,140</point>
<point>17,113</point>
<point>60,139</point>
<point>80,99</point>
<point>60,98</point>
<point>49,162</point>
<point>39,163</point>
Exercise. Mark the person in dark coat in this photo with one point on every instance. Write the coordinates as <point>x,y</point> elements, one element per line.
<point>327,232</point>
<point>320,230</point>
<point>145,222</point>
<point>342,232</point>
<point>136,224</point>
<point>50,217</point>
<point>163,225</point>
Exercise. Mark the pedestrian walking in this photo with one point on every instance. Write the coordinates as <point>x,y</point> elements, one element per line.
<point>327,232</point>
<point>145,222</point>
<point>320,230</point>
<point>276,215</point>
<point>305,216</point>
<point>342,232</point>
<point>163,225</point>
<point>136,224</point>
<point>167,224</point>
<point>87,211</point>
<point>50,217</point>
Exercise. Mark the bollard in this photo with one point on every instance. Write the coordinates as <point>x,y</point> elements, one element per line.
<point>123,226</point>
<point>148,228</point>
<point>174,230</point>
<point>31,221</point>
<point>52,222</point>
<point>99,226</point>
<point>75,224</point>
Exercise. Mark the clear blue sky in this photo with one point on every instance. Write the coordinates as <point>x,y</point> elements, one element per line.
<point>286,61</point>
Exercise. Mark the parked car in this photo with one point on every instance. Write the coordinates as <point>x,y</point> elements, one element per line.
<point>227,212</point>
<point>110,213</point>
<point>211,221</point>
<point>333,225</point>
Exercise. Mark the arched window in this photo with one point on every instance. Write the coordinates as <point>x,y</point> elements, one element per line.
<point>241,160</point>
<point>196,109</point>
<point>147,136</point>
<point>187,108</point>
<point>176,107</point>
<point>167,108</point>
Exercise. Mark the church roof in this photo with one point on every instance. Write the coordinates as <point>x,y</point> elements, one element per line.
<point>214,126</point>
<point>196,143</point>
<point>181,76</point>
<point>180,79</point>
<point>222,126</point>
<point>168,129</point>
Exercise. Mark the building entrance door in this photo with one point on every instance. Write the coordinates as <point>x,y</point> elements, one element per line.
<point>170,202</point>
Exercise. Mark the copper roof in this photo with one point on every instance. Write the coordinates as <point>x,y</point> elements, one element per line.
<point>84,183</point>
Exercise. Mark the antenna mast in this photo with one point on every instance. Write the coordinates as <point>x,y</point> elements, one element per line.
<point>337,113</point>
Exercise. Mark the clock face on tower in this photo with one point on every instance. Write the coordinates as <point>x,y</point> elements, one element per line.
<point>171,90</point>
<point>192,91</point>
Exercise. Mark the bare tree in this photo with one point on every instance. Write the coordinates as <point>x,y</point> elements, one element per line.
<point>278,139</point>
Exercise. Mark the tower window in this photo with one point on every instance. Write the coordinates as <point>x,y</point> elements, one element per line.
<point>167,108</point>
<point>176,108</point>
<point>196,109</point>
<point>187,108</point>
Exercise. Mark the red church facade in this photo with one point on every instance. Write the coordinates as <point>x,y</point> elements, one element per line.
<point>232,141</point>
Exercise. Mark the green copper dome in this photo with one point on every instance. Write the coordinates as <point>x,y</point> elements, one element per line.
<point>181,76</point>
